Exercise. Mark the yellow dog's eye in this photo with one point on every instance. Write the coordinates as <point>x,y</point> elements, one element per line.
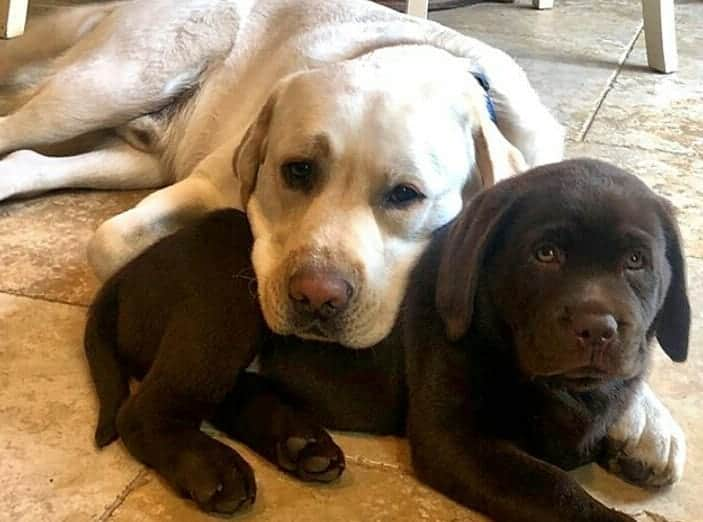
<point>547,253</point>
<point>402,195</point>
<point>298,174</point>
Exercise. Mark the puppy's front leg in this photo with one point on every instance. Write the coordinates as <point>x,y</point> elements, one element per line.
<point>208,341</point>
<point>646,445</point>
<point>215,476</point>
<point>497,478</point>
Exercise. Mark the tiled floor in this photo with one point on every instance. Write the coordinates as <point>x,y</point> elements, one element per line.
<point>586,58</point>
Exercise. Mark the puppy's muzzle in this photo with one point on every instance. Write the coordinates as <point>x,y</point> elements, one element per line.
<point>318,293</point>
<point>594,330</point>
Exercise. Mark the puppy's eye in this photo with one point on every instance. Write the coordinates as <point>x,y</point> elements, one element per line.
<point>298,174</point>
<point>402,196</point>
<point>634,261</point>
<point>548,253</point>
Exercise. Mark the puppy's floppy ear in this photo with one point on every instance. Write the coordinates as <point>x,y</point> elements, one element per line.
<point>496,157</point>
<point>464,251</point>
<point>252,149</point>
<point>673,321</point>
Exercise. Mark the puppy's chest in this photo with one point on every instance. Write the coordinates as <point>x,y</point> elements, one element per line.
<point>339,387</point>
<point>562,427</point>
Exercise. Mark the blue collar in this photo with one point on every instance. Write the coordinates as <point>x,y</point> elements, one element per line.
<point>483,82</point>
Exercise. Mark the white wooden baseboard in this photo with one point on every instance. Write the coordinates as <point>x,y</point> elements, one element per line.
<point>13,16</point>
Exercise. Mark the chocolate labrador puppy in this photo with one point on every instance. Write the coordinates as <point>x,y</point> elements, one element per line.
<point>183,318</point>
<point>526,326</point>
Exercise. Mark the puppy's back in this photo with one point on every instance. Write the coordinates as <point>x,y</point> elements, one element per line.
<point>203,265</point>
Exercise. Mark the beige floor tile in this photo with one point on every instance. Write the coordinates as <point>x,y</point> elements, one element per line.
<point>43,242</point>
<point>569,53</point>
<point>654,111</point>
<point>49,467</point>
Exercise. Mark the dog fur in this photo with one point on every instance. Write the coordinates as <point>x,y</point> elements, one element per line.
<point>190,338</point>
<point>164,93</point>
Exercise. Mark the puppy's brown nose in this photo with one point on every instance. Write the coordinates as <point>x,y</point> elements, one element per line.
<point>324,293</point>
<point>597,330</point>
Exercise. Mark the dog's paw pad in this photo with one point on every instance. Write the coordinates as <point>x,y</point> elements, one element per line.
<point>222,484</point>
<point>228,499</point>
<point>316,464</point>
<point>311,459</point>
<point>630,469</point>
<point>321,462</point>
<point>231,493</point>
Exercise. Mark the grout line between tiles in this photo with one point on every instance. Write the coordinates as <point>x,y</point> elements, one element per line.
<point>40,298</point>
<point>364,462</point>
<point>609,85</point>
<point>119,500</point>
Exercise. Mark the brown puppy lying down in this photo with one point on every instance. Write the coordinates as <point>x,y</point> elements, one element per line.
<point>526,326</point>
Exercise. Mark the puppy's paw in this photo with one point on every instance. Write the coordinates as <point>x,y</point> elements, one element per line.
<point>223,483</point>
<point>646,446</point>
<point>310,454</point>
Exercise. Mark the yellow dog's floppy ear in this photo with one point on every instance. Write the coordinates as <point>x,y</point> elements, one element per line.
<point>673,322</point>
<point>496,157</point>
<point>251,151</point>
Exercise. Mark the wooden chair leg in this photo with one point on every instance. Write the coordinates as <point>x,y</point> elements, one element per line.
<point>13,16</point>
<point>543,4</point>
<point>418,8</point>
<point>660,34</point>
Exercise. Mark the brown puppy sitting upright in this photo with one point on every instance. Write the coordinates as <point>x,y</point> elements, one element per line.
<point>526,326</point>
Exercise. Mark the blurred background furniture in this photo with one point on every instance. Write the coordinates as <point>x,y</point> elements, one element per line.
<point>13,16</point>
<point>659,23</point>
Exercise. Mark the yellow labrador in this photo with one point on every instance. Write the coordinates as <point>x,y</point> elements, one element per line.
<point>355,131</point>
<point>388,113</point>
